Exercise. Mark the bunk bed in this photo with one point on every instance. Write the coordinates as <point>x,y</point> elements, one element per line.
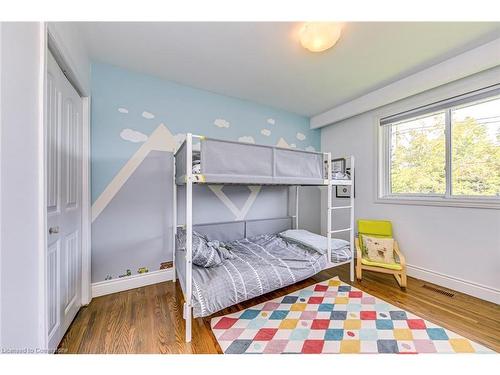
<point>261,257</point>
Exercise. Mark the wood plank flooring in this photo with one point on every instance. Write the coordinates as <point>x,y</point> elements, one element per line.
<point>149,319</point>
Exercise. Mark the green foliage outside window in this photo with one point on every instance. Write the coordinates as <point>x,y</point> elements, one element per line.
<point>418,154</point>
<point>475,159</point>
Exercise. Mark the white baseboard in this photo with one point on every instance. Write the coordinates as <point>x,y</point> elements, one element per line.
<point>468,287</point>
<point>102,288</point>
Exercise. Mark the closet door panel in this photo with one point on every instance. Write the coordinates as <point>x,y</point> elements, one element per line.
<point>63,165</point>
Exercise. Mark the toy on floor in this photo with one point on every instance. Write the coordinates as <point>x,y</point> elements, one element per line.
<point>128,273</point>
<point>165,265</point>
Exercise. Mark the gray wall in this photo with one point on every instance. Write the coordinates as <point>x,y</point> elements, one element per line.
<point>134,229</point>
<point>309,207</point>
<point>456,247</point>
<point>271,202</point>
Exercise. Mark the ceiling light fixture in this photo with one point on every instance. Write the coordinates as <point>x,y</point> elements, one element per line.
<point>319,36</point>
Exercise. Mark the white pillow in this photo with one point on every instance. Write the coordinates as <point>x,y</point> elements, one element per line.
<point>312,240</point>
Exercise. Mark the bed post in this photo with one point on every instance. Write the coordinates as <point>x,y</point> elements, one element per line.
<point>297,207</point>
<point>174,219</point>
<point>189,235</point>
<point>352,220</point>
<point>329,208</point>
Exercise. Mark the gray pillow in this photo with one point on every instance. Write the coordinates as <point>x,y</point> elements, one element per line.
<point>205,253</point>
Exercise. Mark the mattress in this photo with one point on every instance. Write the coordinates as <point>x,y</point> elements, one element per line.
<point>261,264</point>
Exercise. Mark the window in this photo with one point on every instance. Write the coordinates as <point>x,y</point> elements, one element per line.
<point>447,151</point>
<point>475,149</point>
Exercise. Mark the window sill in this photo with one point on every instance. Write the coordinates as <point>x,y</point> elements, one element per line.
<point>438,201</point>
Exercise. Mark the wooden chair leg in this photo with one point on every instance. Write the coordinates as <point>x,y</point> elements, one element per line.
<point>359,271</point>
<point>401,279</point>
<point>398,278</point>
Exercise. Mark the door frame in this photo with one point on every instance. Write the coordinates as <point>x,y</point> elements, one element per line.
<point>51,41</point>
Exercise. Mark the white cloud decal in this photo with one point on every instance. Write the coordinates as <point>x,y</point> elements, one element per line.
<point>148,115</point>
<point>122,110</point>
<point>271,121</point>
<point>310,148</point>
<point>247,139</point>
<point>301,136</point>
<point>265,132</point>
<point>133,136</point>
<point>221,123</point>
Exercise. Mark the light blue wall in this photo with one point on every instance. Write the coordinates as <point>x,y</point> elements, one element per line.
<point>132,229</point>
<point>182,109</point>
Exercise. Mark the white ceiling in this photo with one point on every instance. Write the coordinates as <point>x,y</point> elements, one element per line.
<point>264,62</point>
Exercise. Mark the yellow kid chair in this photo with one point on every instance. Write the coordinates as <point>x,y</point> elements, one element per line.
<point>382,229</point>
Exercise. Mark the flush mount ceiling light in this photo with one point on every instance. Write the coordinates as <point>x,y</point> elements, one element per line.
<point>319,36</point>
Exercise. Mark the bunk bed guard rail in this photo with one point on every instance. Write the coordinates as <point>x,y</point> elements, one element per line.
<point>224,161</point>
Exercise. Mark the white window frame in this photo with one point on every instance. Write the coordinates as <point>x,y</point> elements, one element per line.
<point>384,193</point>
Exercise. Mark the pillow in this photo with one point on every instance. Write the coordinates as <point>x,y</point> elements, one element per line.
<point>312,240</point>
<point>379,249</point>
<point>205,253</point>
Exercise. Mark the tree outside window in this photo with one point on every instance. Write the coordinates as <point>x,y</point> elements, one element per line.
<point>465,138</point>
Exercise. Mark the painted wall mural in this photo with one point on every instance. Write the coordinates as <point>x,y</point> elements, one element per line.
<point>138,121</point>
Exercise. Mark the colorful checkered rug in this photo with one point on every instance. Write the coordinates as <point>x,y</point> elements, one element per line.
<point>333,317</point>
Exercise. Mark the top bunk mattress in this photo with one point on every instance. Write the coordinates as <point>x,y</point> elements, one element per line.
<point>226,162</point>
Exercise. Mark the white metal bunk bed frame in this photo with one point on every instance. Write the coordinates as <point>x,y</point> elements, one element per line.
<point>187,289</point>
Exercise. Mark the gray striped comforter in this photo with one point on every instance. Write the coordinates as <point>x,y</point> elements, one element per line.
<point>261,264</point>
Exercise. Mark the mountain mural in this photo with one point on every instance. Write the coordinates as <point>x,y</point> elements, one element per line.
<point>132,164</point>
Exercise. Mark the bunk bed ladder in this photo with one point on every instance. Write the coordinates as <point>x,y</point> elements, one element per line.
<point>351,233</point>
<point>331,209</point>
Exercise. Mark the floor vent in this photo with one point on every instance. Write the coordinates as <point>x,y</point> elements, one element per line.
<point>440,291</point>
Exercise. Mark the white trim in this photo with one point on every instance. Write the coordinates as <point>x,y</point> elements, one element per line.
<point>463,65</point>
<point>64,58</point>
<point>468,287</point>
<point>86,293</point>
<point>105,287</point>
<point>437,201</point>
<point>42,207</point>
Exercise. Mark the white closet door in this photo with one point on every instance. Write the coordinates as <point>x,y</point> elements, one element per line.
<point>64,211</point>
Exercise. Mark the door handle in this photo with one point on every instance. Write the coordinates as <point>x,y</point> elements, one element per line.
<point>53,230</point>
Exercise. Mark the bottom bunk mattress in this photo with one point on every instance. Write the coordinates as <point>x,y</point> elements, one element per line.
<point>258,265</point>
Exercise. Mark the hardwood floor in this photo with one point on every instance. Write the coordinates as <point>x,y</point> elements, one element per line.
<point>149,319</point>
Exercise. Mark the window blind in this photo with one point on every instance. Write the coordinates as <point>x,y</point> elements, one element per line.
<point>455,101</point>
